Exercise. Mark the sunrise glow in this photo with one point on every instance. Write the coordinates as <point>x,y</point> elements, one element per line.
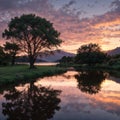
<point>79,22</point>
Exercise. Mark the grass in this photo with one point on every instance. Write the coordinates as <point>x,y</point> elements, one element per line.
<point>22,73</point>
<point>19,73</point>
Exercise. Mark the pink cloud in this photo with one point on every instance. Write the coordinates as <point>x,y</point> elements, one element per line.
<point>74,31</point>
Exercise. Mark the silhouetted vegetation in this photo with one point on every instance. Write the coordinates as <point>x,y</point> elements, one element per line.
<point>4,58</point>
<point>65,61</point>
<point>90,54</point>
<point>31,103</point>
<point>33,34</point>
<point>114,60</point>
<point>2,54</point>
<point>12,50</point>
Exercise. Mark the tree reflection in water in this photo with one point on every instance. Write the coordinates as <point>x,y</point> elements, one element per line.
<point>90,81</point>
<point>35,103</point>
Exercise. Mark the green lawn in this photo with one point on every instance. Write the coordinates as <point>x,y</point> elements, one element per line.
<point>13,74</point>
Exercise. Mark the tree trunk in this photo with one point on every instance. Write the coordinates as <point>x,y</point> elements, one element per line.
<point>31,62</point>
<point>13,61</point>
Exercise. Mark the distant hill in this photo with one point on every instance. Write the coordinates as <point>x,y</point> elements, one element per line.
<point>57,55</point>
<point>116,79</point>
<point>114,51</point>
<point>25,59</point>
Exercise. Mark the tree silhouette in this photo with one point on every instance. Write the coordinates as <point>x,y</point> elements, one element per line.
<point>90,54</point>
<point>66,59</point>
<point>90,81</point>
<point>12,49</point>
<point>2,54</point>
<point>34,35</point>
<point>33,103</point>
<point>4,58</point>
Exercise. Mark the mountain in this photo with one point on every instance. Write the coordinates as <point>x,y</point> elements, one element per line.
<point>57,55</point>
<point>115,79</point>
<point>25,59</point>
<point>114,51</point>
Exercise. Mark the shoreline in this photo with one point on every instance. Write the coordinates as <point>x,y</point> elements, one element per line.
<point>22,73</point>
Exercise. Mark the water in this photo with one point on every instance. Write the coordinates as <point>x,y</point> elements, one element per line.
<point>83,95</point>
<point>40,63</point>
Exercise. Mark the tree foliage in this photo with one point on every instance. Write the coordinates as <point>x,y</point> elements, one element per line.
<point>12,49</point>
<point>90,54</point>
<point>34,34</point>
<point>4,58</point>
<point>66,59</point>
<point>89,48</point>
<point>1,54</point>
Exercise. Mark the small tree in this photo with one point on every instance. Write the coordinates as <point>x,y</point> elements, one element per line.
<point>12,49</point>
<point>4,58</point>
<point>90,54</point>
<point>34,35</point>
<point>66,59</point>
<point>2,54</point>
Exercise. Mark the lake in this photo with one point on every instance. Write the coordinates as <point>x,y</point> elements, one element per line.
<point>40,63</point>
<point>74,95</point>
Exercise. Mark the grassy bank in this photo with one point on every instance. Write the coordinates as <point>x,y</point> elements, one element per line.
<point>19,73</point>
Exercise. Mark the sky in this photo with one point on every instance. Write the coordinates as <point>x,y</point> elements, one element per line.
<point>79,21</point>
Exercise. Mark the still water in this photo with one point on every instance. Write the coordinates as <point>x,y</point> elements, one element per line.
<point>82,95</point>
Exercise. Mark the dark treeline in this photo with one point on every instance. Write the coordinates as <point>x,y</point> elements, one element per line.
<point>8,53</point>
<point>91,55</point>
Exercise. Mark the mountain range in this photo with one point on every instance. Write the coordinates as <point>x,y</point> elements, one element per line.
<point>114,51</point>
<point>57,55</point>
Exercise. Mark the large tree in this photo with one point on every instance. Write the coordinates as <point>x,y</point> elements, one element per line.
<point>90,54</point>
<point>34,35</point>
<point>12,49</point>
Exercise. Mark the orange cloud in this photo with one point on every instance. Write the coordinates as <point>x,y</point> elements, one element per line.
<point>102,29</point>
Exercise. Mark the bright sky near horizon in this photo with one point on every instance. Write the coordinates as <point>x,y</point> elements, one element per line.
<point>79,21</point>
